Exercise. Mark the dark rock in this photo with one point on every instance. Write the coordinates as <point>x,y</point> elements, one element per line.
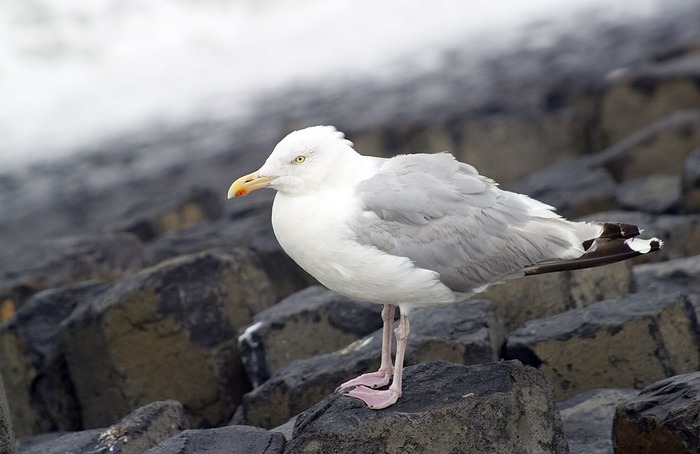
<point>251,229</point>
<point>683,273</point>
<point>41,393</point>
<point>655,194</point>
<point>286,429</point>
<point>679,275</point>
<point>468,333</point>
<point>167,332</point>
<point>638,96</point>
<point>223,440</point>
<point>137,432</point>
<point>545,295</point>
<point>627,342</point>
<point>172,212</point>
<point>70,260</point>
<point>302,383</point>
<point>533,141</point>
<point>491,408</point>
<point>588,419</point>
<point>7,434</point>
<point>663,418</point>
<point>659,148</point>
<point>574,188</point>
<point>83,442</point>
<point>307,323</point>
<point>690,183</point>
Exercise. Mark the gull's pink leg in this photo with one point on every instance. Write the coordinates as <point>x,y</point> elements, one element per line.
<point>376,399</point>
<point>382,376</point>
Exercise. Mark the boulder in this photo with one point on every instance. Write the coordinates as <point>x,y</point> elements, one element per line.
<point>69,260</point>
<point>588,419</point>
<point>575,188</point>
<point>135,433</point>
<point>41,393</point>
<point>223,440</point>
<point>251,229</point>
<point>626,342</point>
<point>638,96</point>
<point>150,218</point>
<point>658,148</point>
<point>545,295</point>
<point>663,418</point>
<point>690,183</point>
<point>654,194</point>
<point>445,408</point>
<point>167,332</point>
<point>307,323</point>
<point>7,434</point>
<point>468,333</point>
<point>674,275</point>
<point>533,141</point>
<point>302,383</point>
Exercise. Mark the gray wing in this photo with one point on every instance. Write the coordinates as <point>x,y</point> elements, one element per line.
<point>445,217</point>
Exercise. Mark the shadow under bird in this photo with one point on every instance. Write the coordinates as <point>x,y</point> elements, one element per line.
<point>413,231</point>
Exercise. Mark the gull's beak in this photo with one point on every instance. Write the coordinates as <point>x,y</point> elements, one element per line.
<point>247,183</point>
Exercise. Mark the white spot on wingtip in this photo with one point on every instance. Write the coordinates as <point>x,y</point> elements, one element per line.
<point>642,246</point>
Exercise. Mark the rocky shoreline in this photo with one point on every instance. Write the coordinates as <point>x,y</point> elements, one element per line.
<point>171,322</point>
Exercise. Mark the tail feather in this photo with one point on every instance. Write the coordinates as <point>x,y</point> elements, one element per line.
<point>616,242</point>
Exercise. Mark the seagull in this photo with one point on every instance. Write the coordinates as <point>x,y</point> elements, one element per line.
<point>415,231</point>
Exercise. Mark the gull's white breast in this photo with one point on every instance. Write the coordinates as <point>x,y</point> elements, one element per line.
<point>314,230</point>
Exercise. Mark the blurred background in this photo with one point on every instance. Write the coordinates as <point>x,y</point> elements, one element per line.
<point>104,104</point>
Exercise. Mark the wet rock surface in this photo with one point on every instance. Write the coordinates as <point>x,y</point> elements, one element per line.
<point>664,417</point>
<point>135,433</point>
<point>305,324</point>
<point>627,342</point>
<point>465,333</point>
<point>117,291</point>
<point>588,419</point>
<point>7,435</point>
<point>492,408</point>
<point>223,440</point>
<point>41,391</point>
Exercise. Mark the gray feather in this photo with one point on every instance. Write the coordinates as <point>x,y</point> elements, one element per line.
<point>445,217</point>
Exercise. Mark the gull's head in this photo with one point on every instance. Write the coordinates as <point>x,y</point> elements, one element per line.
<point>303,161</point>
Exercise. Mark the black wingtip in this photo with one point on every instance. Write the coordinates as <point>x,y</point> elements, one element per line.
<point>616,243</point>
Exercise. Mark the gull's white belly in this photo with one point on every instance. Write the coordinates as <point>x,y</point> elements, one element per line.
<point>313,230</point>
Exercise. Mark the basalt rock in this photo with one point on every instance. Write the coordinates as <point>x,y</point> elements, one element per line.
<point>223,440</point>
<point>308,323</point>
<point>445,408</point>
<point>40,390</point>
<point>466,333</point>
<point>65,261</point>
<point>167,332</point>
<point>135,433</point>
<point>628,342</point>
<point>664,417</point>
<point>588,419</point>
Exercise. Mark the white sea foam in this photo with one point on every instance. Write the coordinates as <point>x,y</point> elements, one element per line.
<point>72,71</point>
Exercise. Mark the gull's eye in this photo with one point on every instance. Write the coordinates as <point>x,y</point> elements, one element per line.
<point>299,159</point>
